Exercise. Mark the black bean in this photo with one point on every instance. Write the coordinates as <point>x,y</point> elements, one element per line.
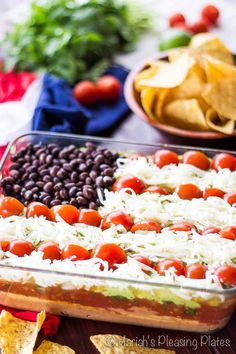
<point>103,166</point>
<point>55,151</point>
<point>73,163</point>
<point>83,176</point>
<point>81,200</point>
<point>51,146</point>
<point>8,189</point>
<point>62,173</point>
<point>21,161</point>
<point>82,167</point>
<point>47,178</point>
<point>15,174</point>
<point>48,187</point>
<point>54,170</point>
<point>80,184</point>
<point>29,185</point>
<point>69,185</point>
<point>74,202</point>
<point>28,195</point>
<point>74,176</point>
<point>26,165</point>
<point>40,151</point>
<point>90,145</point>
<point>15,166</point>
<point>67,167</point>
<point>88,194</point>
<point>28,158</point>
<point>109,172</point>
<point>56,180</point>
<point>63,154</point>
<point>92,205</point>
<point>40,184</point>
<point>71,148</point>
<point>99,182</point>
<point>31,169</point>
<point>63,194</point>
<point>93,175</point>
<point>58,186</point>
<point>73,191</point>
<point>99,159</point>
<point>72,156</point>
<point>88,181</point>
<point>35,163</point>
<point>108,181</point>
<point>81,155</point>
<point>55,202</point>
<point>34,190</point>
<point>43,172</point>
<point>7,180</point>
<point>49,159</point>
<point>47,200</point>
<point>17,188</point>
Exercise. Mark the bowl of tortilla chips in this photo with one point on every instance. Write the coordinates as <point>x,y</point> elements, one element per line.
<point>188,91</point>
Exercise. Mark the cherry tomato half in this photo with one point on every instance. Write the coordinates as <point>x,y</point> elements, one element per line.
<point>223,160</point>
<point>182,226</point>
<point>230,198</point>
<point>157,189</point>
<point>50,250</point>
<point>226,274</point>
<point>164,265</point>
<point>117,218</point>
<point>213,192</point>
<point>165,157</point>
<point>188,191</point>
<point>10,206</point>
<point>143,260</point>
<point>4,245</point>
<point>21,247</point>
<point>197,159</point>
<point>131,182</point>
<point>90,217</point>
<point>109,252</point>
<point>210,230</point>
<point>228,232</point>
<point>37,209</point>
<point>74,253</point>
<point>146,225</point>
<point>195,271</point>
<point>109,88</point>
<point>69,213</point>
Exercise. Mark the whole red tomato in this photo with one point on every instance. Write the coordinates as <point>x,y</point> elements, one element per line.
<point>86,92</point>
<point>109,88</point>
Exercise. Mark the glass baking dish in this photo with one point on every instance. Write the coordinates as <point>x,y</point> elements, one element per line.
<point>106,298</point>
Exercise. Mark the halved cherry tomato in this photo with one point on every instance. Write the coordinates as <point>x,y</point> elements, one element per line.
<point>4,245</point>
<point>226,274</point>
<point>230,198</point>
<point>157,189</point>
<point>182,226</point>
<point>37,209</point>
<point>21,247</point>
<point>228,232</point>
<point>188,191</point>
<point>50,250</point>
<point>195,271</point>
<point>197,159</point>
<point>165,157</point>
<point>146,225</point>
<point>164,265</point>
<point>131,182</point>
<point>117,218</point>
<point>69,213</point>
<point>10,206</point>
<point>74,253</point>
<point>143,260</point>
<point>213,192</point>
<point>109,252</point>
<point>223,160</point>
<point>90,217</point>
<point>210,230</point>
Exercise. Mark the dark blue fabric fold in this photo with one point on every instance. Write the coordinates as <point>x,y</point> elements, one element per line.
<point>58,111</point>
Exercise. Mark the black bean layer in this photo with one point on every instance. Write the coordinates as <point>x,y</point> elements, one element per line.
<point>54,175</point>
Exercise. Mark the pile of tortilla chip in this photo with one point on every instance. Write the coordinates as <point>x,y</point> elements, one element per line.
<point>194,90</point>
<point>19,336</point>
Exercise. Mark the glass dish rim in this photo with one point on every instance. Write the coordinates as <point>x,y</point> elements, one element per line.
<point>100,278</point>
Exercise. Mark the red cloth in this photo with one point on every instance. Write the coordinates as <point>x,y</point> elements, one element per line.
<point>13,85</point>
<point>2,149</point>
<point>50,325</point>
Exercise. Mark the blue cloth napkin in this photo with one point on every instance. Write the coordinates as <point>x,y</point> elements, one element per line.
<point>58,111</point>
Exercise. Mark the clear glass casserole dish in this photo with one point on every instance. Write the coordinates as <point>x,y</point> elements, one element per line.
<point>106,298</point>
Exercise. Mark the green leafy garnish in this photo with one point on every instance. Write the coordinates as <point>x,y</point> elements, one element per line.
<point>71,40</point>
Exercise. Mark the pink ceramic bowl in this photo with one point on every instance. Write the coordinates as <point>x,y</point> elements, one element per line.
<point>133,100</point>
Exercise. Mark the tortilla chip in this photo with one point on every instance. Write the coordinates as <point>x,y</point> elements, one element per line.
<point>148,97</point>
<point>217,70</point>
<point>114,344</point>
<point>18,336</point>
<point>175,53</point>
<point>47,347</point>
<point>171,74</point>
<point>192,86</point>
<point>186,114</point>
<point>159,104</point>
<point>219,123</point>
<point>221,97</point>
<point>145,74</point>
<point>208,43</point>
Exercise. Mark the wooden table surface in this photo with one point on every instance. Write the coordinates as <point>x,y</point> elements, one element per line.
<point>76,332</point>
